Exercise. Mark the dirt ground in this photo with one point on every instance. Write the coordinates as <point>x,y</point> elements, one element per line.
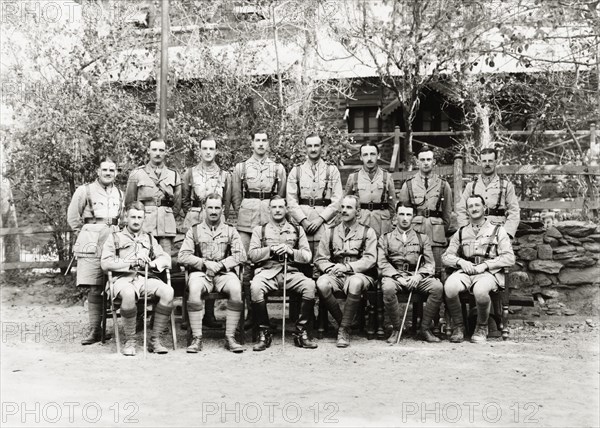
<point>548,374</point>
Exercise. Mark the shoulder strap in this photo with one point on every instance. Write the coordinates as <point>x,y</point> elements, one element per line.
<point>263,239</point>
<point>420,238</point>
<point>474,183</point>
<point>298,175</point>
<point>502,186</point>
<point>327,179</point>
<point>331,242</point>
<point>229,238</point>
<point>384,192</point>
<point>275,186</point>
<point>120,202</point>
<point>355,183</point>
<point>151,253</point>
<point>460,233</point>
<point>297,229</point>
<point>244,182</point>
<point>197,245</point>
<point>364,241</point>
<point>117,243</point>
<point>491,243</point>
<point>411,193</point>
<point>441,195</point>
<point>88,199</point>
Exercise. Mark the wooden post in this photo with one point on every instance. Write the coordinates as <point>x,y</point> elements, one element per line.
<point>395,153</point>
<point>458,176</point>
<point>164,66</point>
<point>591,198</point>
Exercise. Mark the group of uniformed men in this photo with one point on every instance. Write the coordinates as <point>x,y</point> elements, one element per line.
<point>346,236</point>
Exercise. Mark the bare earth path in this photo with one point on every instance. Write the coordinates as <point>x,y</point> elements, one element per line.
<point>544,376</point>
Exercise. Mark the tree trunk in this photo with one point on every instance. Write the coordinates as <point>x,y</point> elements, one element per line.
<point>483,136</point>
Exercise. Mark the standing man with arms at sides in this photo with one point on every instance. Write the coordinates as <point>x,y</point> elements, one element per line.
<point>431,198</point>
<point>374,188</point>
<point>314,192</point>
<point>397,256</point>
<point>271,244</point>
<point>498,193</point>
<point>126,253</point>
<point>255,182</point>
<point>158,188</point>
<point>213,249</point>
<point>93,214</point>
<point>347,257</point>
<point>480,251</point>
<point>198,182</point>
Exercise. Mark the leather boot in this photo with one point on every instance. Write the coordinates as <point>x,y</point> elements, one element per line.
<point>480,335</point>
<point>261,320</point>
<point>333,307</point>
<point>264,340</point>
<point>209,320</point>
<point>392,308</point>
<point>95,317</point>
<point>343,338</point>
<point>458,330</point>
<point>161,318</point>
<point>234,313</point>
<point>432,309</point>
<point>304,325</point>
<point>195,346</point>
<point>155,345</point>
<point>233,345</point>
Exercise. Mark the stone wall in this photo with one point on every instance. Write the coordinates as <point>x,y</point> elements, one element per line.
<point>557,264</point>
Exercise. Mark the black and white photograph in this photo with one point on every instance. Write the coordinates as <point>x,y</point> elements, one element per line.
<point>300,213</point>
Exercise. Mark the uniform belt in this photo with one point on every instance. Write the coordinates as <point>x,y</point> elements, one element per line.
<point>197,203</point>
<point>406,267</point>
<point>320,202</point>
<point>429,213</point>
<point>258,195</point>
<point>111,221</point>
<point>476,259</point>
<point>158,203</point>
<point>345,259</point>
<point>371,206</point>
<point>501,212</point>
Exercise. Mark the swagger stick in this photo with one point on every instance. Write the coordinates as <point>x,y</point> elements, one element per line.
<point>408,303</point>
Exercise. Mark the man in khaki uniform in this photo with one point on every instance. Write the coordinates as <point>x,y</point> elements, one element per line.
<point>158,187</point>
<point>431,198</point>
<point>480,251</point>
<point>271,244</point>
<point>255,182</point>
<point>397,255</point>
<point>198,182</point>
<point>314,192</point>
<point>498,193</point>
<point>126,254</point>
<point>213,249</point>
<point>374,188</point>
<point>93,214</point>
<point>346,256</point>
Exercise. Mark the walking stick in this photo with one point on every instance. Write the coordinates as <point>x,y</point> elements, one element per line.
<point>408,303</point>
<point>145,307</point>
<point>285,258</point>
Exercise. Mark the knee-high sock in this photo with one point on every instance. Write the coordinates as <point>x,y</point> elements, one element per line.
<point>128,317</point>
<point>195,315</point>
<point>95,310</point>
<point>233,314</point>
<point>161,319</point>
<point>352,303</point>
<point>393,309</point>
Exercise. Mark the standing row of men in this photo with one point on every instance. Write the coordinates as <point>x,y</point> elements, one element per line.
<point>313,196</point>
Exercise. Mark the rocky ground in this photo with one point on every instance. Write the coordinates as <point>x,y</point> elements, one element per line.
<point>547,374</point>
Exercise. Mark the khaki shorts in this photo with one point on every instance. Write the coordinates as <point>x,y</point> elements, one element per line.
<point>216,283</point>
<point>137,284</point>
<point>342,283</point>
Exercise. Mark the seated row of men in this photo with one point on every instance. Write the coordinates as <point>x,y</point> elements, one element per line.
<point>349,258</point>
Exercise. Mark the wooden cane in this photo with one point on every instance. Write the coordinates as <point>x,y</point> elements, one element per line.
<point>285,258</point>
<point>408,303</point>
<point>145,307</point>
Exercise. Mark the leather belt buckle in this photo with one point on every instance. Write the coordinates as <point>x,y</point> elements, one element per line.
<point>261,195</point>
<point>158,202</point>
<point>109,221</point>
<point>311,202</point>
<point>426,212</point>
<point>370,206</point>
<point>281,258</point>
<point>478,260</point>
<point>346,259</point>
<point>405,267</point>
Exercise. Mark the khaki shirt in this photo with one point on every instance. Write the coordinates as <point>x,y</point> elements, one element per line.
<point>260,253</point>
<point>492,194</point>
<point>220,244</point>
<point>435,228</point>
<point>107,203</point>
<point>143,185</point>
<point>196,184</point>
<point>371,190</point>
<point>311,185</point>
<point>348,246</point>
<point>131,247</point>
<point>476,243</point>
<point>259,177</point>
<point>396,250</point>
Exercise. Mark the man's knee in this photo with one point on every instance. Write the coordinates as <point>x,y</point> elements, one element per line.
<point>453,286</point>
<point>435,288</point>
<point>388,287</point>
<point>482,289</point>
<point>233,289</point>
<point>195,290</point>
<point>258,288</point>
<point>128,297</point>
<point>308,289</point>
<point>355,285</point>
<point>324,285</point>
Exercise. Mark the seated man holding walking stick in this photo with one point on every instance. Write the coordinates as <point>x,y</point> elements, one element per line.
<point>406,262</point>
<point>274,248</point>
<point>127,254</point>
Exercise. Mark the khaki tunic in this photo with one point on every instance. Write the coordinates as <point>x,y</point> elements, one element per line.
<point>371,190</point>
<point>260,175</point>
<point>197,183</point>
<point>476,243</point>
<point>492,195</point>
<point>394,254</point>
<point>223,244</point>
<point>312,186</point>
<point>143,185</point>
<point>435,228</point>
<point>348,246</point>
<point>274,235</point>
